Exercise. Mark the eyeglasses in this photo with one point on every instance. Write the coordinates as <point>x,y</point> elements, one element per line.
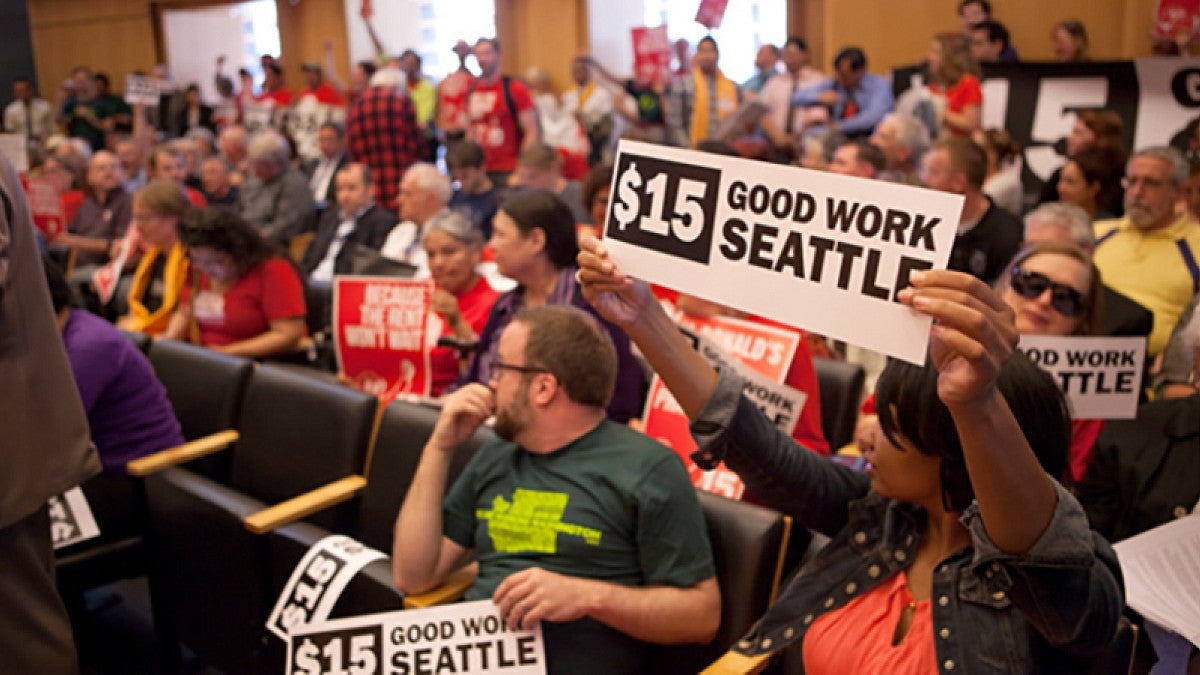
<point>1031,285</point>
<point>524,370</point>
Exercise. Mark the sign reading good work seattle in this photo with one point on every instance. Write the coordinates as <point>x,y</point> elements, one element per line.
<point>820,251</point>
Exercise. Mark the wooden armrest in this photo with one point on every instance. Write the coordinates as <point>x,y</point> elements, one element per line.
<point>303,505</point>
<point>165,459</point>
<point>453,588</point>
<point>733,663</point>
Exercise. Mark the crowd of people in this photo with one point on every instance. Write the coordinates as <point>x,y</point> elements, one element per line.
<point>226,222</point>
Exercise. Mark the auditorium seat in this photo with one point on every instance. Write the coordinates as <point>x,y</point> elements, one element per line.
<point>748,543</point>
<point>841,386</point>
<point>205,389</point>
<point>303,442</point>
<point>403,430</point>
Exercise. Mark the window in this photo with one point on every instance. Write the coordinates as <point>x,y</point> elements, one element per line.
<point>741,33</point>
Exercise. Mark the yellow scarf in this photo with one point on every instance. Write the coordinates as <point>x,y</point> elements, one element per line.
<point>586,94</point>
<point>175,271</point>
<point>727,102</point>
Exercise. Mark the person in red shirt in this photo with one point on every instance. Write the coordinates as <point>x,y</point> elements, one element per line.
<point>452,97</point>
<point>463,298</point>
<point>955,76</point>
<point>501,115</point>
<point>317,87</point>
<point>247,299</point>
<point>273,87</point>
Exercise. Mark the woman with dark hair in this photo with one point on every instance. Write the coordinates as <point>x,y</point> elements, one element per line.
<point>1091,179</point>
<point>944,552</point>
<point>955,77</point>
<point>1003,180</point>
<point>1093,128</point>
<point>534,244</point>
<point>1070,41</point>
<point>162,271</point>
<point>1054,289</point>
<point>596,188</point>
<point>244,298</point>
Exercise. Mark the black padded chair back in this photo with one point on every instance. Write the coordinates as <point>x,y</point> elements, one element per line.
<point>403,431</point>
<point>298,433</point>
<point>140,340</point>
<point>205,387</point>
<point>841,386</point>
<point>1117,658</point>
<point>748,543</point>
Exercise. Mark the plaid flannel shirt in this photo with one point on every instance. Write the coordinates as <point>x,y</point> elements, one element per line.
<point>383,134</point>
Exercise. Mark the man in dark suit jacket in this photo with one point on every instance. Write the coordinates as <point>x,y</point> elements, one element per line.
<point>192,114</point>
<point>355,221</point>
<point>331,138</point>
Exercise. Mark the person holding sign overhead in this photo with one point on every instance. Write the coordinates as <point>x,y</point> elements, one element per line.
<point>944,551</point>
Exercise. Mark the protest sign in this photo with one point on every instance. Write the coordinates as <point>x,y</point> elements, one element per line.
<point>820,251</point>
<point>1100,376</point>
<point>762,363</point>
<point>305,120</point>
<point>15,149</point>
<point>106,277</point>
<point>651,54</point>
<point>45,205</point>
<point>710,13</point>
<point>468,637</point>
<point>318,582</point>
<point>144,90</point>
<point>1173,18</point>
<point>382,334</point>
<point>71,519</point>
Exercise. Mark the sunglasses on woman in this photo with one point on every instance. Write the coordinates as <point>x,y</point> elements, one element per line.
<point>1064,299</point>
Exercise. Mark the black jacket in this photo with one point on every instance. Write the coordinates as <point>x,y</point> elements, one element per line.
<point>371,230</point>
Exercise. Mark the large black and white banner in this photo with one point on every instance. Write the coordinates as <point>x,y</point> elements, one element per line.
<point>1036,103</point>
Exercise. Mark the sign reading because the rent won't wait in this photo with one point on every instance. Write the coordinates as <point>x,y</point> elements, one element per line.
<point>819,251</point>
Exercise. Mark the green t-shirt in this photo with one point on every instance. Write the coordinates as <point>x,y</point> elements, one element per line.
<point>614,505</point>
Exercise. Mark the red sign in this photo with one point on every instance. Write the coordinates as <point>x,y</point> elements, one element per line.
<point>651,54</point>
<point>765,349</point>
<point>105,278</point>
<point>45,205</point>
<point>1175,17</point>
<point>710,13</point>
<point>382,334</point>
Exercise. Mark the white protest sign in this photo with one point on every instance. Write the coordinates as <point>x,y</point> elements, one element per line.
<point>824,252</point>
<point>71,519</point>
<point>144,90</point>
<point>1100,376</point>
<point>15,148</point>
<point>318,582</point>
<point>467,637</point>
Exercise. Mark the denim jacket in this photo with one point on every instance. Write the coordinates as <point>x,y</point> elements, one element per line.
<point>992,612</point>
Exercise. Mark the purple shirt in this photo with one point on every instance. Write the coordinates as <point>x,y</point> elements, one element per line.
<point>127,407</point>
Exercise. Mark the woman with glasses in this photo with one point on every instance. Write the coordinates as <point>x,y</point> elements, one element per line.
<point>944,552</point>
<point>534,243</point>
<point>1054,289</point>
<point>244,298</point>
<point>462,297</point>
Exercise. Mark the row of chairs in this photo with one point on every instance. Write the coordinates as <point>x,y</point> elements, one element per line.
<point>219,531</point>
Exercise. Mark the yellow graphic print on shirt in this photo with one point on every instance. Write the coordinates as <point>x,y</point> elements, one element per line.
<point>531,522</point>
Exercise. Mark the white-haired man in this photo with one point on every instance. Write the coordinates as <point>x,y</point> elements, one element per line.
<point>275,198</point>
<point>424,192</point>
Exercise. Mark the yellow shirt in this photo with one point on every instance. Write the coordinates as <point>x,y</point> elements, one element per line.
<point>1155,268</point>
